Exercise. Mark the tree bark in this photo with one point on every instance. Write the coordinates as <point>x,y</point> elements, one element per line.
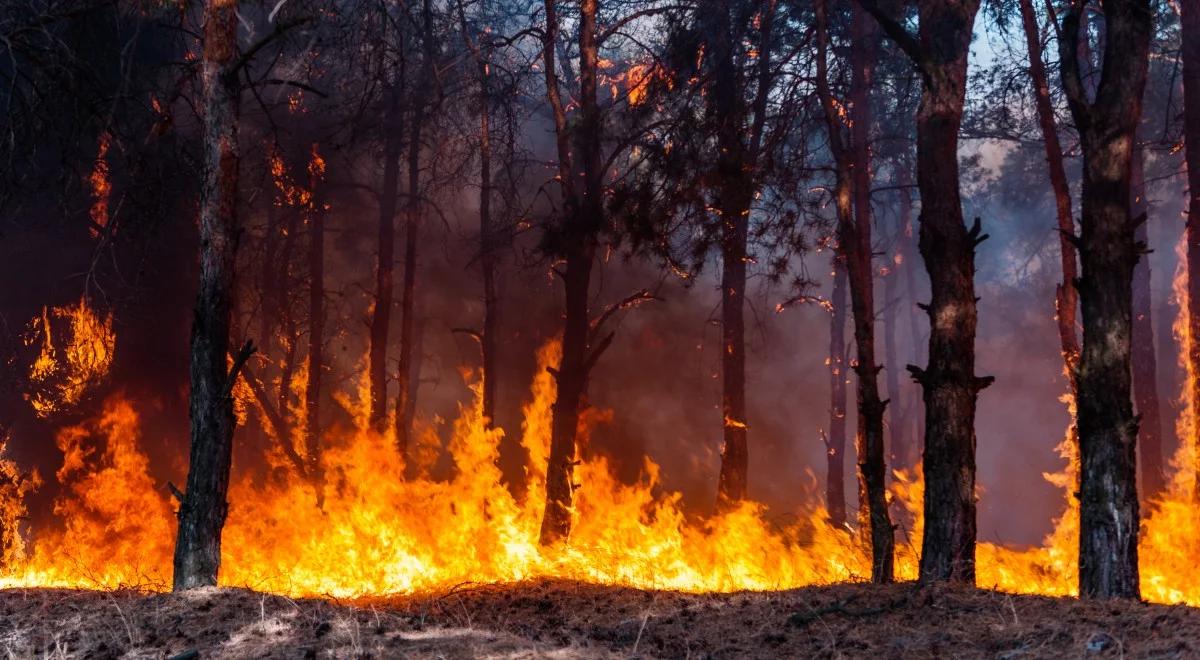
<point>487,239</point>
<point>852,201</point>
<point>861,269</point>
<point>940,52</point>
<point>203,508</point>
<point>1143,357</point>
<point>739,141</point>
<point>733,213</point>
<point>835,444</point>
<point>487,250</point>
<point>914,422</point>
<point>897,434</point>
<point>316,326</point>
<point>385,265</point>
<point>1108,252</point>
<point>412,228</point>
<point>1066,296</point>
<point>1190,52</point>
<point>583,217</point>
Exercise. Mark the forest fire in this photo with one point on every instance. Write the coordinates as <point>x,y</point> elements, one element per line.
<point>378,533</point>
<point>380,304</point>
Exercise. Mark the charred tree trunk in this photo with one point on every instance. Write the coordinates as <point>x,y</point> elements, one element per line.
<point>739,133</point>
<point>203,508</point>
<point>734,453</point>
<point>381,316</point>
<point>897,433</point>
<point>487,250</point>
<point>914,423</point>
<point>1143,357</point>
<point>487,233</point>
<point>412,228</point>
<point>1190,51</point>
<point>835,444</point>
<point>316,327</point>
<point>940,52</point>
<point>733,213</point>
<point>860,266</point>
<point>852,200</point>
<point>1066,297</point>
<point>583,219</point>
<point>1108,250</point>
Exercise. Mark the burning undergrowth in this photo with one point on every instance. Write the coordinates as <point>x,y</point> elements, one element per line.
<point>375,531</point>
<point>366,524</point>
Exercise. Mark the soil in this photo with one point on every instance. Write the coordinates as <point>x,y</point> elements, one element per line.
<point>567,619</point>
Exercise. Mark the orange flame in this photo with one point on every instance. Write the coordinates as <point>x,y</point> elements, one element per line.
<point>101,186</point>
<point>60,377</point>
<point>378,533</point>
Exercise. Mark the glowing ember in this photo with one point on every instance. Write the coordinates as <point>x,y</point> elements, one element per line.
<point>101,186</point>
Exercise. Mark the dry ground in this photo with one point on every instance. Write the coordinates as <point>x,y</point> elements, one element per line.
<point>566,619</point>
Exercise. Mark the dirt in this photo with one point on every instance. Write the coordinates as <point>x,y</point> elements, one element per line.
<point>567,619</point>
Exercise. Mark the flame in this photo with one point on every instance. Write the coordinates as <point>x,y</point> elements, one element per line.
<point>638,79</point>
<point>635,80</point>
<point>116,527</point>
<point>101,186</point>
<point>377,532</point>
<point>60,376</point>
<point>14,487</point>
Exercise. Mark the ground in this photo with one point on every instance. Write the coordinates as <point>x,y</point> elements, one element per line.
<point>566,619</point>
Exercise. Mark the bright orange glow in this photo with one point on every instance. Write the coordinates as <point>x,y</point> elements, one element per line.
<point>379,533</point>
<point>61,375</point>
<point>101,186</point>
<point>14,486</point>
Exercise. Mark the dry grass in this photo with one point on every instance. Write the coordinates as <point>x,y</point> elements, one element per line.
<point>566,619</point>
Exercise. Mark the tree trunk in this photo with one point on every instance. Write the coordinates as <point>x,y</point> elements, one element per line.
<point>739,141</point>
<point>1066,296</point>
<point>914,421</point>
<point>898,438</point>
<point>733,213</point>
<point>1108,251</point>
<point>1190,52</point>
<point>385,265</point>
<point>835,444</point>
<point>203,509</point>
<point>735,453</point>
<point>487,250</point>
<point>411,236</point>
<point>940,52</point>
<point>861,269</point>
<point>1143,357</point>
<point>852,200</point>
<point>583,219</point>
<point>316,326</point>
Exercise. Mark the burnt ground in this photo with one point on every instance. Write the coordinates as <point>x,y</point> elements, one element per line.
<point>567,619</point>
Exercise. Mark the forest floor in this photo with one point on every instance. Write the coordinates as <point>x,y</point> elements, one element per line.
<point>560,619</point>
